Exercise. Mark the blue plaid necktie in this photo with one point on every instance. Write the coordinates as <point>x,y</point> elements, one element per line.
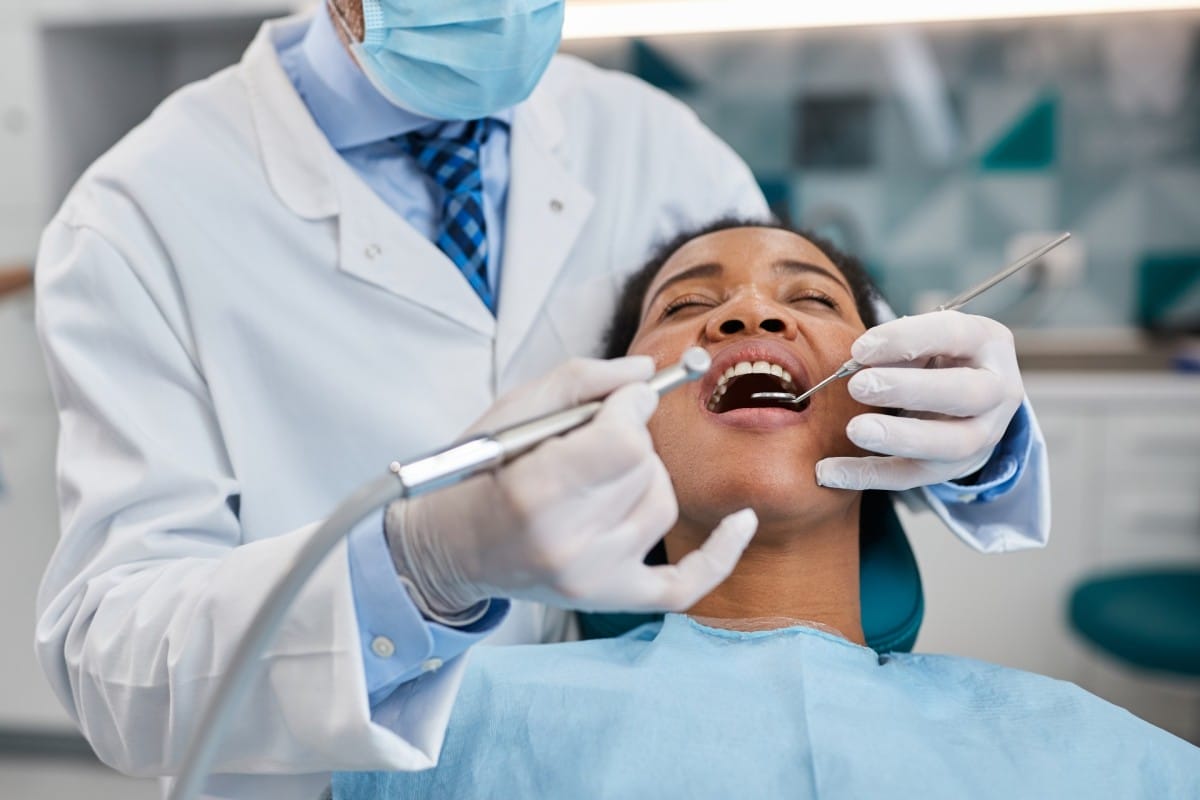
<point>453,162</point>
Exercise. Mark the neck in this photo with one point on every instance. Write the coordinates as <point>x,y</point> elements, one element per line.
<point>804,570</point>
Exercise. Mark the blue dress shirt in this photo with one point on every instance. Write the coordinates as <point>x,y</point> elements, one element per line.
<point>360,124</point>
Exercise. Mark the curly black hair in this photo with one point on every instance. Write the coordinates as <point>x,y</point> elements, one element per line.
<point>628,313</point>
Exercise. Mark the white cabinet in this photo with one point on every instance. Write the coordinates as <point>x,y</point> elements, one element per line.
<point>1152,486</point>
<point>1124,454</point>
<point>29,532</point>
<point>23,385</point>
<point>28,515</point>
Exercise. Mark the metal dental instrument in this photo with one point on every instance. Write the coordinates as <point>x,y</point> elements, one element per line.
<point>434,471</point>
<point>852,366</point>
<point>513,441</point>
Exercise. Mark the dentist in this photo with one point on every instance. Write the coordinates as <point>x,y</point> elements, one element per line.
<point>389,221</point>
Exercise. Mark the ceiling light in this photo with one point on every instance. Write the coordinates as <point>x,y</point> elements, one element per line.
<point>596,19</point>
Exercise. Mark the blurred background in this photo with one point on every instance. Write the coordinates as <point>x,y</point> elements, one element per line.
<point>935,148</point>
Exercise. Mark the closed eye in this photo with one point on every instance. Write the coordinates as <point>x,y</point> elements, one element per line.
<point>815,296</point>
<point>680,303</point>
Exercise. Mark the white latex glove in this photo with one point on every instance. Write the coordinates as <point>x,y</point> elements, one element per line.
<point>954,376</point>
<point>569,523</point>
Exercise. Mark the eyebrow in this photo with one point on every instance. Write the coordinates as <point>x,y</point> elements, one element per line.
<point>711,270</point>
<point>788,265</point>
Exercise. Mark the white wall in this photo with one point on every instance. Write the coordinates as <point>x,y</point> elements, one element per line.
<point>22,173</point>
<point>76,74</point>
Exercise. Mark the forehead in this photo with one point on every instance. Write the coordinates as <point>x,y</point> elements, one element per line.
<point>741,250</point>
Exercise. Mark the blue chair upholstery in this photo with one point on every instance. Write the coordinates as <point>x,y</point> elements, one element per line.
<point>893,603</point>
<point>1149,618</point>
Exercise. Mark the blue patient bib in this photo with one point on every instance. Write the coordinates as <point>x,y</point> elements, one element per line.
<point>682,710</point>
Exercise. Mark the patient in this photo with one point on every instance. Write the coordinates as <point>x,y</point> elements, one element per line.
<point>766,688</point>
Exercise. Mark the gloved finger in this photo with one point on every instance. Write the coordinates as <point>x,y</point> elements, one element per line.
<point>583,379</point>
<point>612,466</point>
<point>679,586</point>
<point>928,439</point>
<point>613,443</point>
<point>956,391</point>
<point>916,339</point>
<point>881,472</point>
<point>622,537</point>
<point>655,512</point>
<point>630,405</point>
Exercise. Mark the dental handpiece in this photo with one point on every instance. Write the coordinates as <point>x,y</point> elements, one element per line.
<point>437,470</point>
<point>852,366</point>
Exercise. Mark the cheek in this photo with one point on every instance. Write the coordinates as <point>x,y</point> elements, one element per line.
<point>836,412</point>
<point>669,426</point>
<point>665,346</point>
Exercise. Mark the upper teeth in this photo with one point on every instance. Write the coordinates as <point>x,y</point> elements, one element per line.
<point>746,368</point>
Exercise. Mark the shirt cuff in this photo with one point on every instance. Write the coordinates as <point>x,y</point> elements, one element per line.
<point>398,644</point>
<point>1002,471</point>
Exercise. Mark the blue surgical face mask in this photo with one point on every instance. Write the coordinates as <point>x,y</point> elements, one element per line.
<point>457,59</point>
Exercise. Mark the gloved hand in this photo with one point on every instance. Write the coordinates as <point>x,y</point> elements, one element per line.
<point>569,523</point>
<point>954,375</point>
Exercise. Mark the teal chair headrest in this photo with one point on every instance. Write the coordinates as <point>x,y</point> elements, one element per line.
<point>893,604</point>
<point>1144,616</point>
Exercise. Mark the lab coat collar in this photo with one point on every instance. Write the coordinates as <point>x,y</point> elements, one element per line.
<point>546,211</point>
<point>295,154</point>
<point>310,178</point>
<point>299,160</point>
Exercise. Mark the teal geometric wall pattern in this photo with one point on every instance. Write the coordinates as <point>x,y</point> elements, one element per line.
<point>1045,145</point>
<point>1030,143</point>
<point>657,69</point>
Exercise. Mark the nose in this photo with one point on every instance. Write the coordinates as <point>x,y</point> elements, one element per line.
<point>750,316</point>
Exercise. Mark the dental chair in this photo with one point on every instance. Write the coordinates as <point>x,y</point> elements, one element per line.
<point>1147,618</point>
<point>893,603</point>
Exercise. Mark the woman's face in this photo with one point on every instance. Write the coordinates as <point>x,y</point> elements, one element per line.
<point>774,311</point>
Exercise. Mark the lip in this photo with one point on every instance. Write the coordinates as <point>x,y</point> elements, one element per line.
<point>773,351</point>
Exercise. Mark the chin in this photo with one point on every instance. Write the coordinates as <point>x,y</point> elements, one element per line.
<point>776,492</point>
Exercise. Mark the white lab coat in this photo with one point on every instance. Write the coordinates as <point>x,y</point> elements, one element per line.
<point>239,333</point>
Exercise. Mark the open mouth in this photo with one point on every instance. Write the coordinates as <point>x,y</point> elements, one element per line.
<point>737,386</point>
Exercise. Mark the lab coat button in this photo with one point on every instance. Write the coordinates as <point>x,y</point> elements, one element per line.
<point>556,205</point>
<point>383,647</point>
<point>431,665</point>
